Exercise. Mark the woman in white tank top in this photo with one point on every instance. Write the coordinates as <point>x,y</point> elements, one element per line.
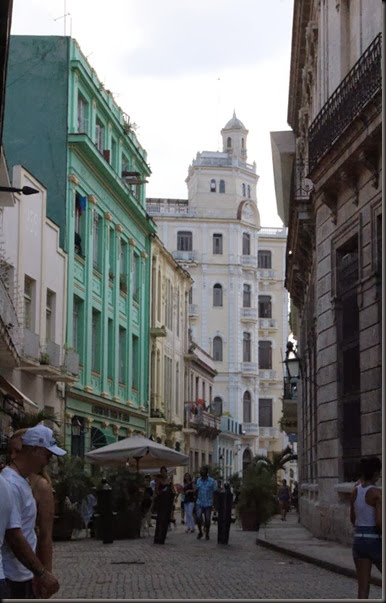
<point>366,516</point>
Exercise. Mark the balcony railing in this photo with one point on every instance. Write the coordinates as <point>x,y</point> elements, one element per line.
<point>267,323</point>
<point>31,344</point>
<point>193,310</point>
<point>267,374</point>
<point>185,256</point>
<point>357,89</point>
<point>250,429</point>
<point>248,260</point>
<point>249,368</point>
<point>248,314</point>
<point>268,432</point>
<point>229,425</point>
<point>53,351</point>
<point>302,185</point>
<point>267,273</point>
<point>71,362</point>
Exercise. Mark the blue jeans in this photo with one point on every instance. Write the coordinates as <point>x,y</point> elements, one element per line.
<point>206,511</point>
<point>189,515</point>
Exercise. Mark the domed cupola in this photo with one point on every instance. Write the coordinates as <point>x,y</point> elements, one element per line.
<point>234,138</point>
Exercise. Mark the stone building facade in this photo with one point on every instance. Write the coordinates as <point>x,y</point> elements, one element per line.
<point>237,304</point>
<point>328,185</point>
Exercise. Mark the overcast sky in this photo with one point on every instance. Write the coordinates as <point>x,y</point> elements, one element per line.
<point>179,68</point>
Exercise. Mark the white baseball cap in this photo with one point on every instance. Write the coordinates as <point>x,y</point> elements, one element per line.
<point>43,436</point>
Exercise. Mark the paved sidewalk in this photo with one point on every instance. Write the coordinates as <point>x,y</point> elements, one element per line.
<point>291,538</point>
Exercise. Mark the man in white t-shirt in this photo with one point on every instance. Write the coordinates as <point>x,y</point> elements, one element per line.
<point>5,514</point>
<point>20,562</point>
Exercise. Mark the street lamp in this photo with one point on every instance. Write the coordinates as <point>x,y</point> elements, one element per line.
<point>292,362</point>
<point>26,190</point>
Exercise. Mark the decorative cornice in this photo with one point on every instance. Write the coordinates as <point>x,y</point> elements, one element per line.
<point>132,242</point>
<point>72,178</point>
<point>144,255</point>
<point>118,228</point>
<point>92,199</point>
<point>108,216</point>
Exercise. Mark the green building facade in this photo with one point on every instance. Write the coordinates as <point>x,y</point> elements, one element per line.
<point>63,126</point>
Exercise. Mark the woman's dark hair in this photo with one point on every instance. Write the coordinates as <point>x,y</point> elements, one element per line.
<point>370,466</point>
<point>187,477</point>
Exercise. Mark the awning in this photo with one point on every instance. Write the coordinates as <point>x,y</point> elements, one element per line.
<point>9,389</point>
<point>101,437</point>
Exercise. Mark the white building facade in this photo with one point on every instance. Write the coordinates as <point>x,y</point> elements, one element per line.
<point>238,304</point>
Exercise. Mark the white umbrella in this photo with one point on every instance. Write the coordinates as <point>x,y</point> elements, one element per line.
<point>145,452</point>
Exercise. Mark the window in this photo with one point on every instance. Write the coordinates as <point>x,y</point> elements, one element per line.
<point>29,299</point>
<point>217,406</point>
<point>213,186</point>
<point>190,298</point>
<point>121,355</point>
<point>265,355</point>
<point>122,258</point>
<point>169,305</point>
<point>243,188</point>
<point>246,347</point>
<point>249,191</point>
<point>178,313</point>
<point>135,276</point>
<point>246,296</point>
<point>75,323</point>
<point>96,240</point>
<point>110,349</point>
<point>80,208</point>
<point>184,241</point>
<point>99,135</point>
<point>222,186</point>
<point>83,114</point>
<point>217,295</point>
<point>217,244</point>
<point>177,387</point>
<point>114,153</point>
<point>159,296</point>
<point>134,362</point>
<point>246,244</point>
<point>217,349</point>
<point>264,259</point>
<point>125,165</point>
<point>265,412</point>
<point>229,142</point>
<point>95,343</point>
<point>247,408</point>
<point>265,307</point>
<point>50,315</point>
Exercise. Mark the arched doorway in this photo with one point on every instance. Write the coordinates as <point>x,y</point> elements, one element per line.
<point>247,458</point>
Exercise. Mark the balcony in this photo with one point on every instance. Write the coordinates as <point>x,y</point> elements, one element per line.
<point>205,423</point>
<point>169,208</point>
<point>268,323</point>
<point>249,368</point>
<point>9,327</point>
<point>46,361</point>
<point>360,87</point>
<point>185,256</point>
<point>193,310</point>
<point>267,273</point>
<point>248,261</point>
<point>267,375</point>
<point>230,427</point>
<point>158,331</point>
<point>250,430</point>
<point>268,432</point>
<point>248,314</point>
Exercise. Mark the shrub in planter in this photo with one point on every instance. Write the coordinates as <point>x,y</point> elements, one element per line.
<point>256,502</point>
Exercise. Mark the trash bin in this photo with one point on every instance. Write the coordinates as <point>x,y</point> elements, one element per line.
<point>224,502</point>
<point>106,516</point>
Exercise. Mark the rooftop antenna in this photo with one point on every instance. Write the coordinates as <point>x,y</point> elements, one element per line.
<point>64,16</point>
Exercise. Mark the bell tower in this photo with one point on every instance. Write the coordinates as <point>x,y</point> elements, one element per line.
<point>234,139</point>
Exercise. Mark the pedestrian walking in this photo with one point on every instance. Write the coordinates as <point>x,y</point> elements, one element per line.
<point>5,515</point>
<point>87,506</point>
<point>27,579</point>
<point>366,517</point>
<point>164,499</point>
<point>205,486</point>
<point>189,502</point>
<point>284,497</point>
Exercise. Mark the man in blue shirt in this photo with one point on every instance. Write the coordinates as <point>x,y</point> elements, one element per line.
<point>205,487</point>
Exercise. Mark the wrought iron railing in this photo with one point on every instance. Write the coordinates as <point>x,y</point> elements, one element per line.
<point>352,95</point>
<point>302,185</point>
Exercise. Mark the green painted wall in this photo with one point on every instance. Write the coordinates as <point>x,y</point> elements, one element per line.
<point>35,116</point>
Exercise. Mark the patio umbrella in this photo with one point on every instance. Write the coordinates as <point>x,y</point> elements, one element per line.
<point>144,452</point>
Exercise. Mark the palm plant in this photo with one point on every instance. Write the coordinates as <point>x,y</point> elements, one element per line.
<point>277,462</point>
<point>30,419</point>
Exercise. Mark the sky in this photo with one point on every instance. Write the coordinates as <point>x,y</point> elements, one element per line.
<point>179,68</point>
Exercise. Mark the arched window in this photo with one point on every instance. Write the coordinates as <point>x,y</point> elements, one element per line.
<point>217,349</point>
<point>243,187</point>
<point>229,142</point>
<point>246,347</point>
<point>246,296</point>
<point>249,191</point>
<point>217,406</point>
<point>217,295</point>
<point>247,458</point>
<point>247,408</point>
<point>222,186</point>
<point>242,143</point>
<point>213,185</point>
<point>246,244</point>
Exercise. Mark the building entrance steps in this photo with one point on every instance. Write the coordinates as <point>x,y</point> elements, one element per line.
<point>291,538</point>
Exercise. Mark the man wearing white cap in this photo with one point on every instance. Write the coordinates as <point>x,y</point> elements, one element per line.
<point>20,562</point>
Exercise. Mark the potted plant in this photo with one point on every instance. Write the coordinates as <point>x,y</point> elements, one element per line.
<point>122,283</point>
<point>70,484</point>
<point>44,358</point>
<point>256,500</point>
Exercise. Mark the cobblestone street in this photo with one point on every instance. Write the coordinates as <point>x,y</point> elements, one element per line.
<point>186,568</point>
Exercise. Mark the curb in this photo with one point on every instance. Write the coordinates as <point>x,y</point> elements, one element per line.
<point>351,573</point>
